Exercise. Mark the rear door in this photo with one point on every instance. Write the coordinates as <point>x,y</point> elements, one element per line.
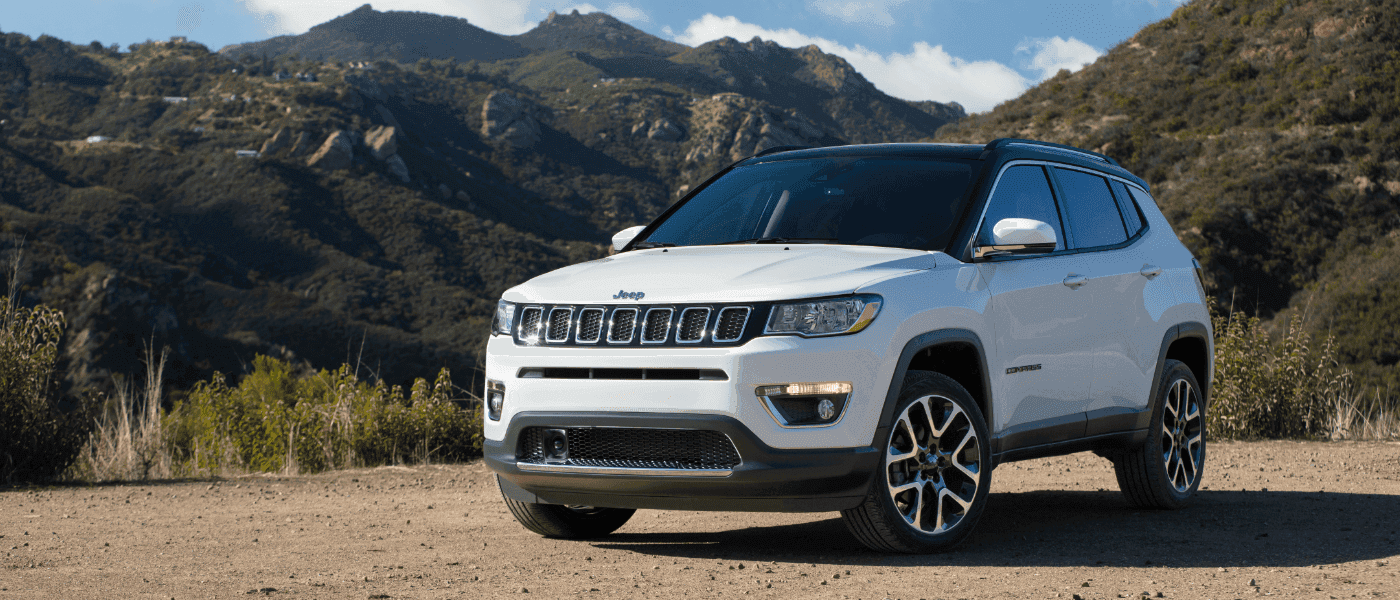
<point>1041,310</point>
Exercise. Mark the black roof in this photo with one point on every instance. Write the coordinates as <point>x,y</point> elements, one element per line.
<point>996,150</point>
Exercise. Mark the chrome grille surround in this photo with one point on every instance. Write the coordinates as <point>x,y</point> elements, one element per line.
<point>730,325</point>
<point>691,327</point>
<point>624,320</point>
<point>559,320</point>
<point>657,326</point>
<point>590,326</point>
<point>530,319</point>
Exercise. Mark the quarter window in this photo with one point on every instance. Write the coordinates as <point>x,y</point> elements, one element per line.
<point>1023,192</point>
<point>1131,217</point>
<point>1093,214</point>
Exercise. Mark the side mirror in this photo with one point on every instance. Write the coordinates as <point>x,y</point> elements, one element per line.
<point>622,238</point>
<point>1019,236</point>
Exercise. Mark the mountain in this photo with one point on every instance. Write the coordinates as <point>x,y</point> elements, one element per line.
<point>366,34</point>
<point>373,210</point>
<point>1269,132</point>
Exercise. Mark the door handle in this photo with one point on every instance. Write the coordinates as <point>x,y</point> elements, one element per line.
<point>1150,271</point>
<point>1074,282</point>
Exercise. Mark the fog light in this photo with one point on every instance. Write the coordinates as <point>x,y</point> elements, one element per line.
<point>556,446</point>
<point>805,404</point>
<point>495,399</point>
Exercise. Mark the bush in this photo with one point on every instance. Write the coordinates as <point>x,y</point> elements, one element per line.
<point>38,438</point>
<point>275,420</point>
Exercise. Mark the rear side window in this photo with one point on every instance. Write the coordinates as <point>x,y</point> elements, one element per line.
<point>1131,217</point>
<point>1023,192</point>
<point>1092,211</point>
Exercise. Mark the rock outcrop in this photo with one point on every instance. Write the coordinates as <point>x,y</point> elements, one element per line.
<point>508,119</point>
<point>336,153</point>
<point>279,141</point>
<point>732,126</point>
<point>663,130</point>
<point>382,142</point>
<point>397,167</point>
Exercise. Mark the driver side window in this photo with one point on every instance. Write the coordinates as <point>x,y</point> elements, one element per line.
<point>1023,192</point>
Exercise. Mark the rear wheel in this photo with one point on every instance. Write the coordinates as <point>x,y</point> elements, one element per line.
<point>933,481</point>
<point>1166,470</point>
<point>568,522</point>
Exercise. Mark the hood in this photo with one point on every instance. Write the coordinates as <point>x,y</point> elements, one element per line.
<point>739,273</point>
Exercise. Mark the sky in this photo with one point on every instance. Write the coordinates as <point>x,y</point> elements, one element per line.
<point>977,53</point>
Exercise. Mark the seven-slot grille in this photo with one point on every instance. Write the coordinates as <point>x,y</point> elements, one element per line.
<point>650,325</point>
<point>636,448</point>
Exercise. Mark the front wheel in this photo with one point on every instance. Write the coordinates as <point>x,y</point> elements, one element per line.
<point>1166,470</point>
<point>933,481</point>
<point>568,522</point>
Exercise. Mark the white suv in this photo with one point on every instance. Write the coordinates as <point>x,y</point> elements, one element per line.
<point>864,329</point>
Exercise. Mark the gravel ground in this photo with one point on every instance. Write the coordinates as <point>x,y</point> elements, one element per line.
<point>1287,519</point>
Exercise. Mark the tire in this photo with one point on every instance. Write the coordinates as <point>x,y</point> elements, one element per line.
<point>568,522</point>
<point>938,449</point>
<point>1166,470</point>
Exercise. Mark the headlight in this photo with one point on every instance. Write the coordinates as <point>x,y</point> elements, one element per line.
<point>504,320</point>
<point>824,317</point>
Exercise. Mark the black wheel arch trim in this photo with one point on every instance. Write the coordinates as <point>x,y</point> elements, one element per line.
<point>924,342</point>
<point>1175,333</point>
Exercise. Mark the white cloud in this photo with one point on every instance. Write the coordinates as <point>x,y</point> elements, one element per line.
<point>1049,55</point>
<point>627,12</point>
<point>866,12</point>
<point>924,73</point>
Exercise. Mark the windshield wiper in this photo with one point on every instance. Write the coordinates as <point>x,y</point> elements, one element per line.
<point>783,240</point>
<point>649,245</point>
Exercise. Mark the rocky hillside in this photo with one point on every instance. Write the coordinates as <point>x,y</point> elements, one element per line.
<point>366,208</point>
<point>1269,132</point>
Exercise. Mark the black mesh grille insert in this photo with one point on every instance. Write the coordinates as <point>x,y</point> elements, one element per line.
<point>590,325</point>
<point>692,327</point>
<point>624,320</point>
<point>530,323</point>
<point>636,448</point>
<point>731,323</point>
<point>559,324</point>
<point>658,325</point>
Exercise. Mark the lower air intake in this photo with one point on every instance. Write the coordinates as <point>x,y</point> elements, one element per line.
<point>631,448</point>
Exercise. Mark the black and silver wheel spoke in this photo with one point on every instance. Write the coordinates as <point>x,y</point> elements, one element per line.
<point>1182,436</point>
<point>933,464</point>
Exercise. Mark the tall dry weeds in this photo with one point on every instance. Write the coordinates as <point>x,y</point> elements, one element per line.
<point>127,442</point>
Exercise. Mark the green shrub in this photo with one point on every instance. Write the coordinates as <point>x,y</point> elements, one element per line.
<point>1266,389</point>
<point>38,438</point>
<point>276,420</point>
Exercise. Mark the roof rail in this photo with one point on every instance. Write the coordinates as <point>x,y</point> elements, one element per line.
<point>777,149</point>
<point>1050,147</point>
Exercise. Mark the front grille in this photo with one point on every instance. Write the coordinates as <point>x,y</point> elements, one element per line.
<point>624,321</point>
<point>590,325</point>
<point>731,323</point>
<point>657,327</point>
<point>631,325</point>
<point>530,323</point>
<point>692,326</point>
<point>636,448</point>
<point>559,320</point>
<point>621,373</point>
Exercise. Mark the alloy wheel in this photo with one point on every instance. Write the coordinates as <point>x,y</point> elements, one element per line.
<point>933,464</point>
<point>1183,431</point>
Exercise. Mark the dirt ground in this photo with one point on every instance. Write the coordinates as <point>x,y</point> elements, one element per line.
<point>1287,519</point>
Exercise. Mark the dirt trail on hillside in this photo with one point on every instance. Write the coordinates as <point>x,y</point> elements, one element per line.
<point>1287,519</point>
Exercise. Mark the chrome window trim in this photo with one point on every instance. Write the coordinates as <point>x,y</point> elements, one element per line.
<point>612,318</point>
<point>578,327</point>
<point>647,319</point>
<point>681,325</point>
<point>748,313</point>
<point>549,331</point>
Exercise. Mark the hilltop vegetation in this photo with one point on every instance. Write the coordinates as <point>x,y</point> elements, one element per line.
<point>394,198</point>
<point>1268,130</point>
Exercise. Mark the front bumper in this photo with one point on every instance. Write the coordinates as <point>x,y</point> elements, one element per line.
<point>767,478</point>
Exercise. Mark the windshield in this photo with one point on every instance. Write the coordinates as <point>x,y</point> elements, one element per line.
<point>898,202</point>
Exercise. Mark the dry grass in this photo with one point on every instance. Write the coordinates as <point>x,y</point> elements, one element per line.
<point>127,441</point>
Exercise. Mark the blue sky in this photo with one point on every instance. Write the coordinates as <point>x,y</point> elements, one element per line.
<point>975,52</point>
